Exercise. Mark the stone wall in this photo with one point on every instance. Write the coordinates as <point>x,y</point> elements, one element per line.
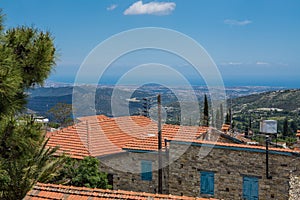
<point>294,187</point>
<point>229,167</point>
<point>126,171</point>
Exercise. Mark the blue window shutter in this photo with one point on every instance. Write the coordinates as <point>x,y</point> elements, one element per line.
<point>146,170</point>
<point>250,188</point>
<point>207,183</point>
<point>254,189</point>
<point>211,183</point>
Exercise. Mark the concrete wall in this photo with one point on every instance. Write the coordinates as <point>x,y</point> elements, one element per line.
<point>229,167</point>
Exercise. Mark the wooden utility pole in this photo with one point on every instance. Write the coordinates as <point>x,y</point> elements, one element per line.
<point>159,145</point>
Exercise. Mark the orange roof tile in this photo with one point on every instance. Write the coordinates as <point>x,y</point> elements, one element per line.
<point>55,192</point>
<point>225,127</point>
<point>150,142</point>
<point>69,142</point>
<point>100,135</point>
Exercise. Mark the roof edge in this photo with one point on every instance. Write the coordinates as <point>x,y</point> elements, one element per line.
<point>218,145</point>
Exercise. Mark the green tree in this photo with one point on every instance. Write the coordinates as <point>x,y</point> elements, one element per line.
<point>293,127</point>
<point>24,158</point>
<point>218,121</point>
<point>205,121</point>
<point>221,114</point>
<point>219,117</point>
<point>285,130</point>
<point>61,113</point>
<point>82,173</point>
<point>27,57</point>
<point>228,117</point>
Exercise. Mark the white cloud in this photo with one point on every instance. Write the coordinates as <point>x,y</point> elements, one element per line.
<point>151,8</point>
<point>262,63</point>
<point>112,7</point>
<point>231,63</point>
<point>234,22</point>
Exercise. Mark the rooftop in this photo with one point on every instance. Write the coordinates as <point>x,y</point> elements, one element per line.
<point>59,192</point>
<point>100,135</point>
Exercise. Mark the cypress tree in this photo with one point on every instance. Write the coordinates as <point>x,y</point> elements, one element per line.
<point>221,114</point>
<point>205,112</point>
<point>285,128</point>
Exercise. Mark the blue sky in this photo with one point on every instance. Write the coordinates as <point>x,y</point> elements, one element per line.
<point>252,42</point>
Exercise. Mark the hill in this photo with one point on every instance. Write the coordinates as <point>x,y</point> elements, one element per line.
<point>42,99</point>
<point>286,100</point>
<point>277,105</point>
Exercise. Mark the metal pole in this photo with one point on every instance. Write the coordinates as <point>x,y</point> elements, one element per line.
<point>267,157</point>
<point>159,146</point>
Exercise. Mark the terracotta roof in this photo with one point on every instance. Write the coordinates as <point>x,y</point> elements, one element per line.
<point>239,145</point>
<point>100,135</point>
<point>149,142</point>
<point>69,142</point>
<point>59,192</point>
<point>298,133</point>
<point>225,127</point>
<point>100,118</point>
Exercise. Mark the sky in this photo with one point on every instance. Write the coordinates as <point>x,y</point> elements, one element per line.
<point>251,42</point>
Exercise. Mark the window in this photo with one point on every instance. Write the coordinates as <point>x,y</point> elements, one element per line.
<point>146,170</point>
<point>110,179</point>
<point>250,188</point>
<point>207,183</point>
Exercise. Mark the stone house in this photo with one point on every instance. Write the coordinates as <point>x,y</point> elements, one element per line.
<point>197,161</point>
<point>233,171</point>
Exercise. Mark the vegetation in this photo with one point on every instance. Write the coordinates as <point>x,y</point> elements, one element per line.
<point>279,105</point>
<point>24,157</point>
<point>61,114</point>
<point>205,121</point>
<point>82,173</point>
<point>27,57</point>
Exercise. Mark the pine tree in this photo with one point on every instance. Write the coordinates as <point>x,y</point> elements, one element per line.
<point>27,57</point>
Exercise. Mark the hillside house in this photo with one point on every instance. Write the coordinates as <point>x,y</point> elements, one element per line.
<point>212,165</point>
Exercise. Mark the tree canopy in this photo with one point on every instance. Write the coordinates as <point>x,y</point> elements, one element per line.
<point>61,113</point>
<point>27,56</point>
<point>82,173</point>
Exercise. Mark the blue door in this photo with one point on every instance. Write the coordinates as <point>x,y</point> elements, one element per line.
<point>207,183</point>
<point>250,188</point>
